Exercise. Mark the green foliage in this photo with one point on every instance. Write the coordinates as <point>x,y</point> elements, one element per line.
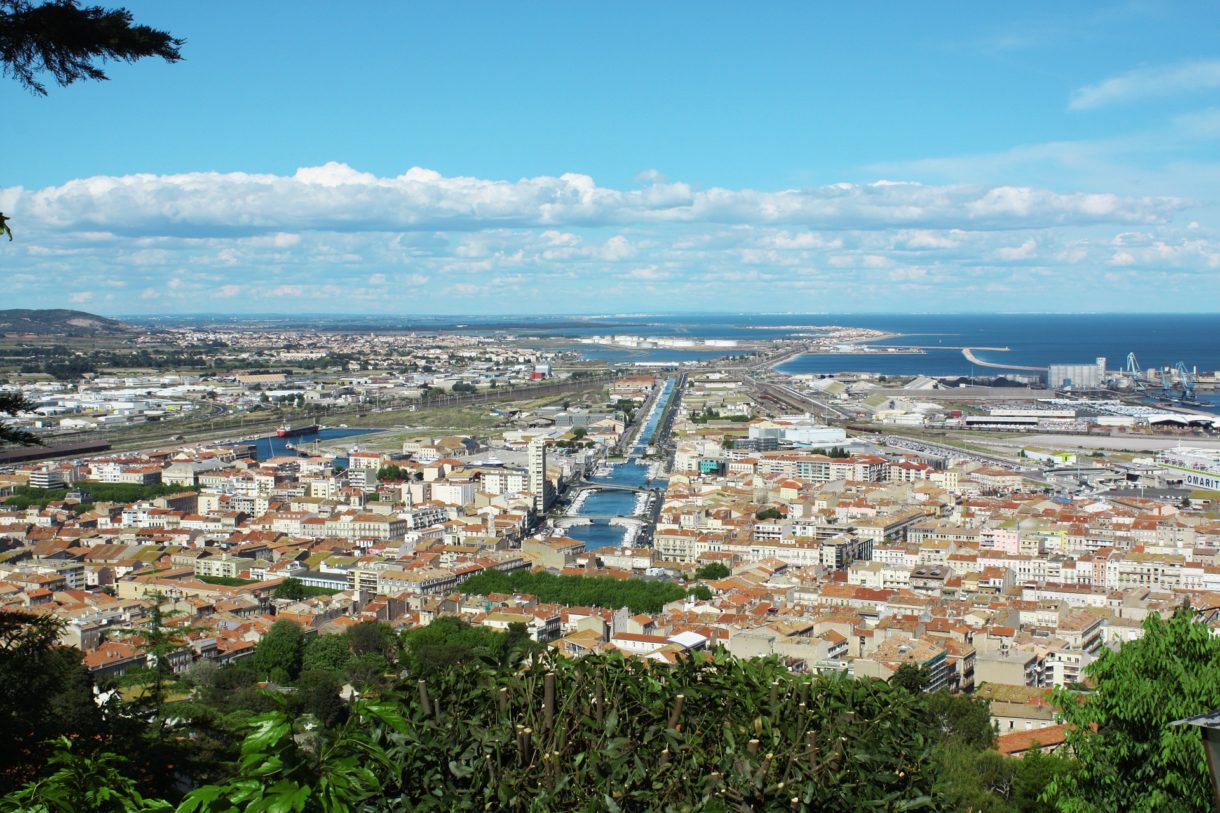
<point>600,733</point>
<point>226,581</point>
<point>25,496</point>
<point>295,590</point>
<point>448,641</point>
<point>81,784</point>
<point>393,473</point>
<point>984,780</point>
<point>1135,760</point>
<point>67,41</point>
<point>637,595</point>
<point>318,694</point>
<point>910,677</point>
<point>701,592</point>
<point>963,718</point>
<point>326,653</point>
<point>46,692</point>
<point>1035,773</point>
<point>713,571</point>
<point>370,637</point>
<point>368,671</point>
<point>278,773</point>
<point>769,513</point>
<point>12,403</point>
<point>280,652</point>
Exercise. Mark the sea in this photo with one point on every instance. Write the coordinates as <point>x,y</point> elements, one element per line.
<point>1157,340</point>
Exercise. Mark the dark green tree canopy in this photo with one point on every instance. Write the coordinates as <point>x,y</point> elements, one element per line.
<point>910,677</point>
<point>713,570</point>
<point>67,41</point>
<point>279,654</point>
<point>12,403</point>
<point>1129,755</point>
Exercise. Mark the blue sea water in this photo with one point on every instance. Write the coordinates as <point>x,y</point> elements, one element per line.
<point>1037,340</point>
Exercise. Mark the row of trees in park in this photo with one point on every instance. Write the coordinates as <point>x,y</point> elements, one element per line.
<point>450,717</point>
<point>637,595</point>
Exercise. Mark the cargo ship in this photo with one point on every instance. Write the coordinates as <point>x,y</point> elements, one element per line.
<point>287,431</point>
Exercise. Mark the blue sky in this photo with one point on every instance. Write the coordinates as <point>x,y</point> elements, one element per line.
<point>542,157</point>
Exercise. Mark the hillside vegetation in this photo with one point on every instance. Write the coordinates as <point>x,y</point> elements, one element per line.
<point>453,717</point>
<point>58,322</point>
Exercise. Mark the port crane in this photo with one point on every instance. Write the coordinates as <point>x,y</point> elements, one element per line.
<point>1187,379</point>
<point>1166,383</point>
<point>1133,371</point>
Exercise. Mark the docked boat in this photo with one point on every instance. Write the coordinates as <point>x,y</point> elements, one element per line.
<point>287,431</point>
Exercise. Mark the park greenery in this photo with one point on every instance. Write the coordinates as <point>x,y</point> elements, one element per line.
<point>23,497</point>
<point>296,590</point>
<point>454,717</point>
<point>637,595</point>
<point>226,581</point>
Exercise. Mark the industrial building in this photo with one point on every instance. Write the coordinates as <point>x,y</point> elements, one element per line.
<point>1077,376</point>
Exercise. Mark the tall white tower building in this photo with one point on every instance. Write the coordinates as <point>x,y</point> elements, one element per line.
<point>539,486</point>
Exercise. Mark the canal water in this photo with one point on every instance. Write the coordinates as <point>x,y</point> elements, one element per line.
<point>273,445</point>
<point>600,533</point>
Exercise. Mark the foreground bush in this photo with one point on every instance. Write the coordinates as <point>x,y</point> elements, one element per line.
<point>600,733</point>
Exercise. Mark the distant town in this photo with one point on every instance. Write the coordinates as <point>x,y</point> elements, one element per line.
<point>997,533</point>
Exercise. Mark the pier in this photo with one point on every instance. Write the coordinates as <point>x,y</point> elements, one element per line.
<point>968,352</point>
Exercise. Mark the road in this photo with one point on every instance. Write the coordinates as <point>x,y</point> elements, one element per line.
<point>926,447</point>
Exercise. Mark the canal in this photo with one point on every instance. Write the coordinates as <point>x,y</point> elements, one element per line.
<point>632,472</point>
<point>273,446</point>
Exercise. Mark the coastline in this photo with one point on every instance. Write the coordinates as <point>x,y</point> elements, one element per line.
<point>814,351</point>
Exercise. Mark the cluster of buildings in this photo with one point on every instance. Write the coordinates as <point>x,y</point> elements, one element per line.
<point>324,371</point>
<point>840,557</point>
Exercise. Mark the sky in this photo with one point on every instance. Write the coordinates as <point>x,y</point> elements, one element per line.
<point>577,157</point>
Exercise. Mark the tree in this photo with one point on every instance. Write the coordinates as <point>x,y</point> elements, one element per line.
<point>81,783</point>
<point>290,588</point>
<point>910,677</point>
<point>962,717</point>
<point>1128,756</point>
<point>157,641</point>
<point>67,41</point>
<point>327,653</point>
<point>713,570</point>
<point>46,691</point>
<point>318,694</point>
<point>367,670</point>
<point>278,655</point>
<point>11,404</point>
<point>370,637</point>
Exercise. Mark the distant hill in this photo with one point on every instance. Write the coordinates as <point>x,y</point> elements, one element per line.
<point>59,322</point>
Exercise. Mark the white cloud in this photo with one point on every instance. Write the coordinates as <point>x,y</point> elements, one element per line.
<point>377,279</point>
<point>649,273</point>
<point>1149,82</point>
<point>1021,252</point>
<point>80,297</point>
<point>335,198</point>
